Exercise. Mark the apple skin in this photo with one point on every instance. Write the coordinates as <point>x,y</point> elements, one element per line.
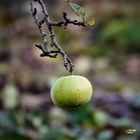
<point>71,91</point>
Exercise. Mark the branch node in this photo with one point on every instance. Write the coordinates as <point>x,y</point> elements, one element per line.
<point>62,23</point>
<point>34,12</point>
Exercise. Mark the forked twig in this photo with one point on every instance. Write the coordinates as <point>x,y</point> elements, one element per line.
<point>62,23</point>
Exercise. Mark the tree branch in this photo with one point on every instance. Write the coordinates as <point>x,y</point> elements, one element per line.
<point>40,26</point>
<point>63,23</point>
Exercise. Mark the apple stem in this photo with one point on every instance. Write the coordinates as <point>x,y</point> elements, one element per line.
<point>46,20</point>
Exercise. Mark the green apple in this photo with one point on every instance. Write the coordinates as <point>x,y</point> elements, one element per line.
<point>71,91</point>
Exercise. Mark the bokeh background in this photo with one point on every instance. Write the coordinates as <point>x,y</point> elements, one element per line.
<point>108,54</point>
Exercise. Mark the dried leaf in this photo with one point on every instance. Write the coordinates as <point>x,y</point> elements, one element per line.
<point>79,11</point>
<point>90,22</point>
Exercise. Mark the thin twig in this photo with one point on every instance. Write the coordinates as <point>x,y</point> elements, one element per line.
<point>63,23</point>
<point>40,25</point>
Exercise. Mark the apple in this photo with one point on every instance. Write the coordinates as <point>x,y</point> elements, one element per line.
<point>71,91</point>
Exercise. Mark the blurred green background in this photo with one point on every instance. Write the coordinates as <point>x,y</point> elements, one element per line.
<point>108,54</point>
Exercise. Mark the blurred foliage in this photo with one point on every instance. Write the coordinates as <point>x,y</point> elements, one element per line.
<point>121,36</point>
<point>108,54</point>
